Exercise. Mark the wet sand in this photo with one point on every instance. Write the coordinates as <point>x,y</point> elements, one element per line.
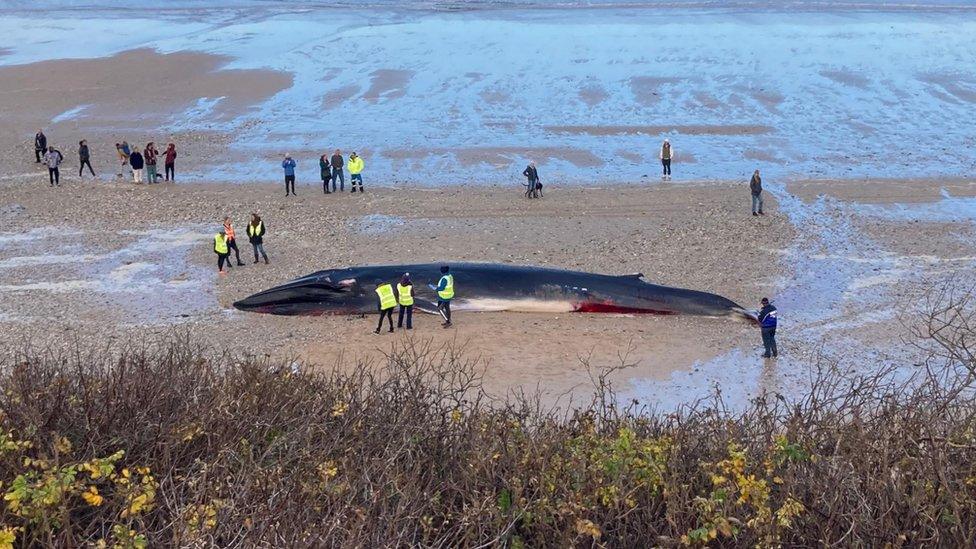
<point>144,265</point>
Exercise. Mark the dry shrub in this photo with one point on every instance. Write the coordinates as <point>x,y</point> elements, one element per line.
<point>171,444</point>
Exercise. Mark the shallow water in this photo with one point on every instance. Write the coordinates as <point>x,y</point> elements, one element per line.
<point>438,96</point>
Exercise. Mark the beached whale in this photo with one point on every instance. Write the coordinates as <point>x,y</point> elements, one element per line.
<point>487,287</point>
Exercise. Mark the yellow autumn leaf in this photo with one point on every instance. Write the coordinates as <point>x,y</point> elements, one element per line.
<point>92,496</point>
<point>7,538</point>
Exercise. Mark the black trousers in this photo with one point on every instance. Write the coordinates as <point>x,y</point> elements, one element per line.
<point>85,162</point>
<point>408,311</point>
<point>445,309</point>
<point>170,172</point>
<point>666,162</point>
<point>38,153</point>
<point>55,176</point>
<point>289,180</point>
<point>232,245</point>
<point>325,183</point>
<point>221,258</point>
<point>769,341</point>
<point>388,314</point>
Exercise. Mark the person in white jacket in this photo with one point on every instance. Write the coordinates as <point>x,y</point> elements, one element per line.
<point>666,154</point>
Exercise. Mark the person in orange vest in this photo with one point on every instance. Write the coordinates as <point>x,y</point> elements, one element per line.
<point>387,301</point>
<point>231,241</point>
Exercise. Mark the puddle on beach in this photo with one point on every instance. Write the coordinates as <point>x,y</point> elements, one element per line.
<point>148,280</point>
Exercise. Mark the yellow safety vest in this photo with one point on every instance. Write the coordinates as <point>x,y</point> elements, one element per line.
<point>356,165</point>
<point>387,299</point>
<point>448,291</point>
<point>253,230</point>
<point>220,244</point>
<point>405,294</point>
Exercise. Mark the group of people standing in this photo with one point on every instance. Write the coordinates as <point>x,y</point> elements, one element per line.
<point>225,241</point>
<point>331,172</point>
<point>130,157</point>
<point>147,160</point>
<point>389,297</point>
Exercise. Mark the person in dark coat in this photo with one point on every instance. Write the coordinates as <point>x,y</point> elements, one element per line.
<point>337,164</point>
<point>767,326</point>
<point>40,145</point>
<point>533,186</point>
<point>84,158</point>
<point>135,160</point>
<point>755,188</point>
<point>325,171</point>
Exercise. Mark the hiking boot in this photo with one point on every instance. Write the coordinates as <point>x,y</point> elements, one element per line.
<point>240,263</point>
<point>376,331</point>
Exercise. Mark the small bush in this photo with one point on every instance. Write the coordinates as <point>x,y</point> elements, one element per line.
<point>171,444</point>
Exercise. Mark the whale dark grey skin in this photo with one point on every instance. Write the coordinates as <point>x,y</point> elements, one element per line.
<point>487,287</point>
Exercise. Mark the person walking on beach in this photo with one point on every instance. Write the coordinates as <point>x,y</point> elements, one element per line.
<point>404,291</point>
<point>666,154</point>
<point>149,157</point>
<point>325,170</point>
<point>355,172</point>
<point>255,235</point>
<point>767,326</point>
<point>532,174</point>
<point>170,162</point>
<point>231,241</point>
<point>755,187</point>
<point>445,293</point>
<point>288,164</point>
<point>40,145</point>
<point>136,161</point>
<point>220,248</point>
<point>337,164</point>
<point>387,301</point>
<point>84,158</point>
<point>53,159</point>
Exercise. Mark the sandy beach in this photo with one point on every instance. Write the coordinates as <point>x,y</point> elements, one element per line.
<point>860,224</point>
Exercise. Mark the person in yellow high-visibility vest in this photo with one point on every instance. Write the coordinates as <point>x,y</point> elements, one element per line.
<point>387,301</point>
<point>356,172</point>
<point>445,293</point>
<point>404,291</point>
<point>220,248</point>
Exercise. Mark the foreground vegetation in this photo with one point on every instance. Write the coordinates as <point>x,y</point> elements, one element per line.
<point>172,445</point>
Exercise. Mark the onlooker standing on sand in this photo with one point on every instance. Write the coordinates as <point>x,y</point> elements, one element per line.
<point>387,301</point>
<point>666,154</point>
<point>404,290</point>
<point>149,156</point>
<point>325,170</point>
<point>137,163</point>
<point>355,172</point>
<point>337,164</point>
<point>289,166</point>
<point>40,145</point>
<point>755,187</point>
<point>84,158</point>
<point>53,158</point>
<point>255,234</point>
<point>767,325</point>
<point>231,240</point>
<point>532,174</point>
<point>220,248</point>
<point>170,162</point>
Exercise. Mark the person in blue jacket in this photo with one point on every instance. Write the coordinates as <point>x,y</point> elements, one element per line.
<point>767,324</point>
<point>289,166</point>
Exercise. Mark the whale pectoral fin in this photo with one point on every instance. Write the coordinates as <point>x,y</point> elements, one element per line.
<point>635,276</point>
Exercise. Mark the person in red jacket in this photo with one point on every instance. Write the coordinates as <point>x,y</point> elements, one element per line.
<point>170,162</point>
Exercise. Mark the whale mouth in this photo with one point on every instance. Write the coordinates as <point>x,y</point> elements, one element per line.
<point>301,297</point>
